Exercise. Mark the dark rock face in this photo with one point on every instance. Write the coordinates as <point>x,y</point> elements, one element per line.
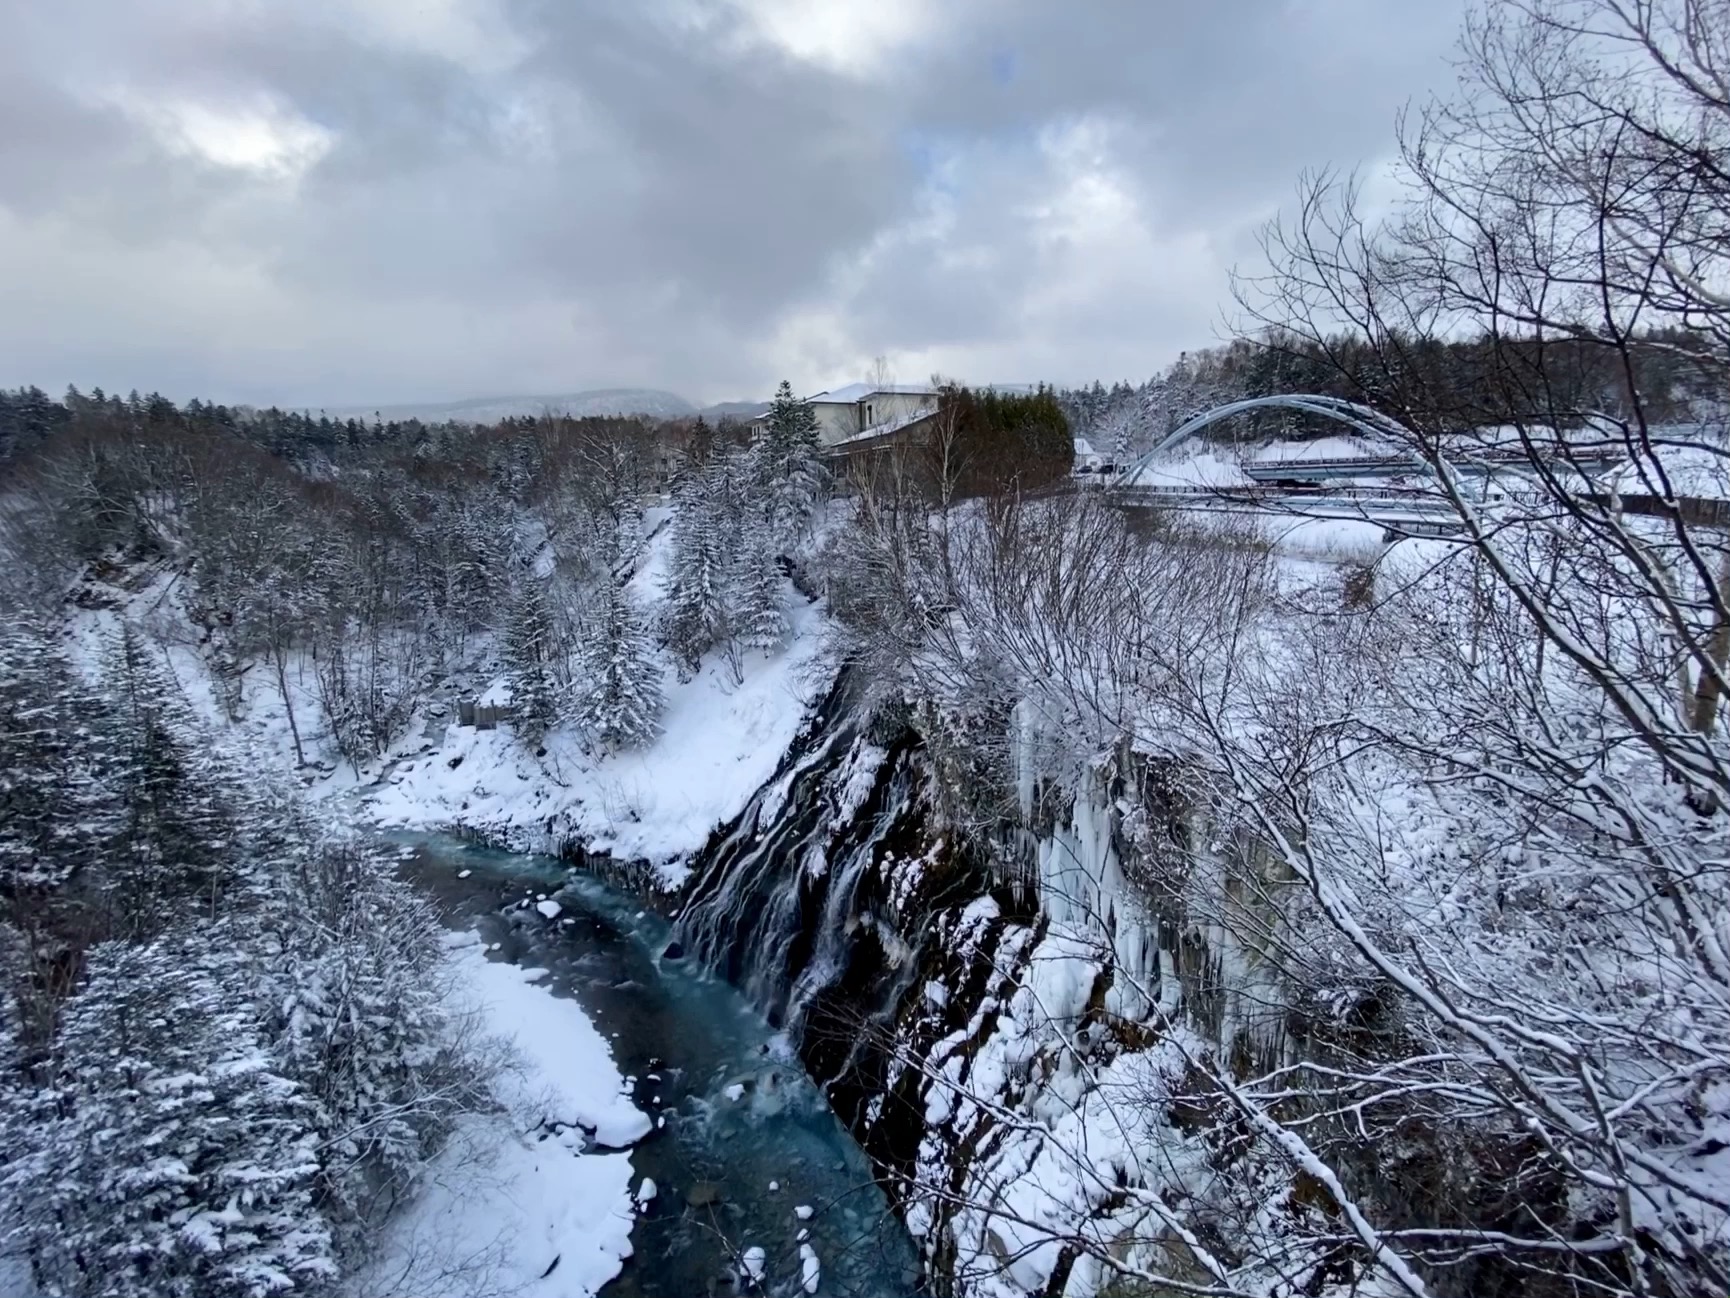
<point>675,951</point>
<point>828,902</point>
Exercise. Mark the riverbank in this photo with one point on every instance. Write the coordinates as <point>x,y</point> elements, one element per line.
<point>531,1199</point>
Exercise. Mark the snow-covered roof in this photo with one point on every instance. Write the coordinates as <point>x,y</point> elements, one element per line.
<point>853,392</point>
<point>1084,447</point>
<point>888,426</point>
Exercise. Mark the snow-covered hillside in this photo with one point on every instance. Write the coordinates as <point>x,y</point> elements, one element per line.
<point>719,742</point>
<point>720,739</point>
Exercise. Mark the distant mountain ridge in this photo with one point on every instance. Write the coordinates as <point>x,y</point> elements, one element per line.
<point>490,410</point>
<point>734,410</point>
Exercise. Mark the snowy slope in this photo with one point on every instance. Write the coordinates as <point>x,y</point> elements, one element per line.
<point>719,741</point>
<point>718,744</point>
<point>508,1212</point>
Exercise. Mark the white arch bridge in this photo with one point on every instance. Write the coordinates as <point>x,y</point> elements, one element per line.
<point>1313,488</point>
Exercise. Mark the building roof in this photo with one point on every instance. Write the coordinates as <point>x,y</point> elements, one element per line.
<point>889,426</point>
<point>853,392</point>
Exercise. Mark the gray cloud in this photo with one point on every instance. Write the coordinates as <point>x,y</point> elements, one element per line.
<point>342,201</point>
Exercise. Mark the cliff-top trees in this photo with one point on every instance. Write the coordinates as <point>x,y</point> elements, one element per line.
<point>1004,442</point>
<point>708,505</point>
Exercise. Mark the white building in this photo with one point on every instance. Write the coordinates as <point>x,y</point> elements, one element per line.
<point>1090,460</point>
<point>865,410</point>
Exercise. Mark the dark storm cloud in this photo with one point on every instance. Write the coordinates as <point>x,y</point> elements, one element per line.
<point>346,200</point>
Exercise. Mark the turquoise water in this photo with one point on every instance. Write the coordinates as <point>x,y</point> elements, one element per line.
<point>736,1112</point>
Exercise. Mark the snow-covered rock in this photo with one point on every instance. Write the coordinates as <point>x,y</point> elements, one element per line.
<point>752,1261</point>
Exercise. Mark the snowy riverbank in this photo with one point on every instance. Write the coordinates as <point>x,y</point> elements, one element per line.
<point>720,741</point>
<point>514,1204</point>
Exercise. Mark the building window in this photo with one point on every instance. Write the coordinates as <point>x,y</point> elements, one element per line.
<point>867,414</point>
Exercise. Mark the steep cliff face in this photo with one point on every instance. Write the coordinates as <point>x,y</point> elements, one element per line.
<point>980,1007</point>
<point>823,899</point>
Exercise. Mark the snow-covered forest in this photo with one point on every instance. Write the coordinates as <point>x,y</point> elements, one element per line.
<point>1165,900</point>
<point>233,1050</point>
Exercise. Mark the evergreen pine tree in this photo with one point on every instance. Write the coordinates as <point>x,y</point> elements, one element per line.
<point>789,464</point>
<point>58,816</point>
<point>528,662</point>
<point>704,523</point>
<point>355,1006</point>
<point>55,810</point>
<point>620,695</point>
<point>758,606</point>
<point>164,1159</point>
<point>172,845</point>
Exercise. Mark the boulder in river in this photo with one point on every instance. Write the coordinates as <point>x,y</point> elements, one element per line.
<point>703,1194</point>
<point>674,951</point>
<point>752,1262</point>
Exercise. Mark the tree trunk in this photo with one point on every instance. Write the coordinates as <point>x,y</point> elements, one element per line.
<point>288,707</point>
<point>1706,691</point>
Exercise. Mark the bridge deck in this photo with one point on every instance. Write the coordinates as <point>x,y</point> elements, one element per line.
<point>1404,465</point>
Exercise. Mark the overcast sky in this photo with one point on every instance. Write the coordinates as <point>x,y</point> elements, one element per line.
<point>351,201</point>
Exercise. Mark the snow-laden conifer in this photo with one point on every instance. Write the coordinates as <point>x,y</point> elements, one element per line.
<point>789,466</point>
<point>619,678</point>
<point>705,536</point>
<point>56,810</point>
<point>529,654</point>
<point>354,996</point>
<point>758,590</point>
<point>166,1156</point>
<point>172,846</point>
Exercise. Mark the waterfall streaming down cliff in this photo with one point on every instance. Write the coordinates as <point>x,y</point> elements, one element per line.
<point>793,901</point>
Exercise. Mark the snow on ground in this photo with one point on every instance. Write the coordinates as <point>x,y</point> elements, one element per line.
<point>1190,467</point>
<point>1321,448</point>
<point>719,743</point>
<point>1334,540</point>
<point>510,1207</point>
<point>567,1071</point>
<point>1207,464</point>
<point>262,738</point>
